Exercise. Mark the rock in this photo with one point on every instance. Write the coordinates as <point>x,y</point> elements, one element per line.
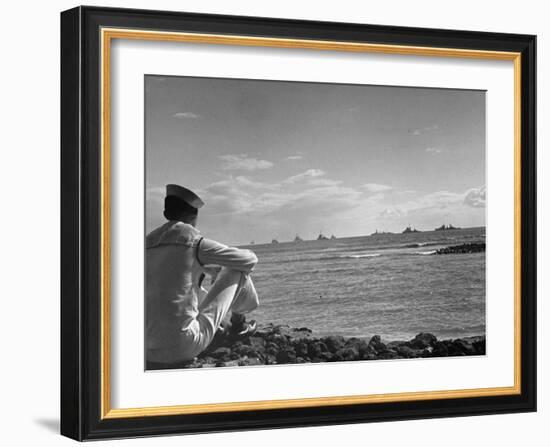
<point>281,344</point>
<point>479,346</point>
<point>427,352</point>
<point>303,334</point>
<point>388,354</point>
<point>196,363</point>
<point>396,344</point>
<point>376,345</point>
<point>407,352</point>
<point>423,340</point>
<point>440,349</point>
<point>334,342</point>
<point>237,345</point>
<point>249,361</point>
<point>278,339</point>
<point>235,355</point>
<point>326,356</point>
<point>287,355</point>
<point>316,349</point>
<point>301,348</point>
<point>348,353</point>
<point>363,349</point>
<point>220,353</point>
<point>352,341</point>
<point>462,347</point>
<point>249,351</point>
<point>290,334</point>
<point>475,247</point>
<point>230,363</point>
<point>257,342</point>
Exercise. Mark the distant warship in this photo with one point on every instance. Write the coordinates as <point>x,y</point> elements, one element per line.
<point>410,230</point>
<point>376,233</point>
<point>298,239</point>
<point>274,241</point>
<point>332,237</point>
<point>322,237</point>
<point>446,227</point>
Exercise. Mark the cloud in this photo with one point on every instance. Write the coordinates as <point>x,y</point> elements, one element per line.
<point>442,201</point>
<point>426,211</point>
<point>243,162</point>
<point>431,128</point>
<point>434,150</point>
<point>376,187</point>
<point>438,199</point>
<point>425,129</point>
<point>241,195</point>
<point>391,213</point>
<point>475,197</point>
<point>318,181</point>
<point>309,174</point>
<point>155,192</point>
<point>294,157</point>
<point>241,182</point>
<point>186,115</point>
<point>154,204</point>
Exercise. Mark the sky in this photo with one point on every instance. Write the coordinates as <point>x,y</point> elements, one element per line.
<point>273,159</point>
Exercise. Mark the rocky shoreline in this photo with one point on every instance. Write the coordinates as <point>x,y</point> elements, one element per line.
<point>474,247</point>
<point>280,344</point>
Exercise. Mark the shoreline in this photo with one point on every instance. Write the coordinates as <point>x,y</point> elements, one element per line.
<point>281,344</point>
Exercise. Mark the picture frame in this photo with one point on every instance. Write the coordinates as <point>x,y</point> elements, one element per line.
<point>87,34</point>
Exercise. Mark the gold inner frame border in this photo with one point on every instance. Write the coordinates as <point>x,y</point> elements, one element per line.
<point>107,35</point>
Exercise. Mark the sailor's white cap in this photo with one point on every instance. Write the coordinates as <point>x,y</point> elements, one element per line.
<point>184,194</point>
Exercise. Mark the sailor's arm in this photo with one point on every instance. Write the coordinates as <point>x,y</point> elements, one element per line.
<point>211,252</point>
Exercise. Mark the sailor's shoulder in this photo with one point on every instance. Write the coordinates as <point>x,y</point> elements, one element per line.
<point>152,239</point>
<point>173,232</point>
<point>184,230</point>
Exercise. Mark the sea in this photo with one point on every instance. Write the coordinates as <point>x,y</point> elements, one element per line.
<point>392,285</point>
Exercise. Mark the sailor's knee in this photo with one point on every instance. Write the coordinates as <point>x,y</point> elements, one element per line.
<point>254,305</point>
<point>253,259</point>
<point>255,301</point>
<point>228,276</point>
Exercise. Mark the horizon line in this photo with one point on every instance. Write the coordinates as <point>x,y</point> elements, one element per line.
<point>355,236</point>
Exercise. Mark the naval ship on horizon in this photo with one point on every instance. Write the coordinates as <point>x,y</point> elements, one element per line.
<point>446,228</point>
<point>410,230</point>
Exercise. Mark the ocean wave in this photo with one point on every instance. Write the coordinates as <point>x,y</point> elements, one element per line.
<point>422,244</point>
<point>364,255</point>
<point>347,256</point>
<point>424,253</point>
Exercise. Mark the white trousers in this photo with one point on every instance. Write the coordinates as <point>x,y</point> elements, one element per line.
<point>232,291</point>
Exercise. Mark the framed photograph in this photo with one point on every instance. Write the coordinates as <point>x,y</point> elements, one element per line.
<point>276,223</point>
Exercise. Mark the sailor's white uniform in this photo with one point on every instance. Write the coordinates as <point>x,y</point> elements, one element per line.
<point>181,316</point>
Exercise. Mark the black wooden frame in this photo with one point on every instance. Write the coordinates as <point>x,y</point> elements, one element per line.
<point>80,223</point>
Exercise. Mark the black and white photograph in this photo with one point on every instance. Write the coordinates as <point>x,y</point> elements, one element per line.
<point>299,222</point>
<point>273,221</point>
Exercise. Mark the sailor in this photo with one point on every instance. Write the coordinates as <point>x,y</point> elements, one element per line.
<point>182,317</point>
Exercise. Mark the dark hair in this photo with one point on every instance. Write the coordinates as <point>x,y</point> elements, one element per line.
<point>175,208</point>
